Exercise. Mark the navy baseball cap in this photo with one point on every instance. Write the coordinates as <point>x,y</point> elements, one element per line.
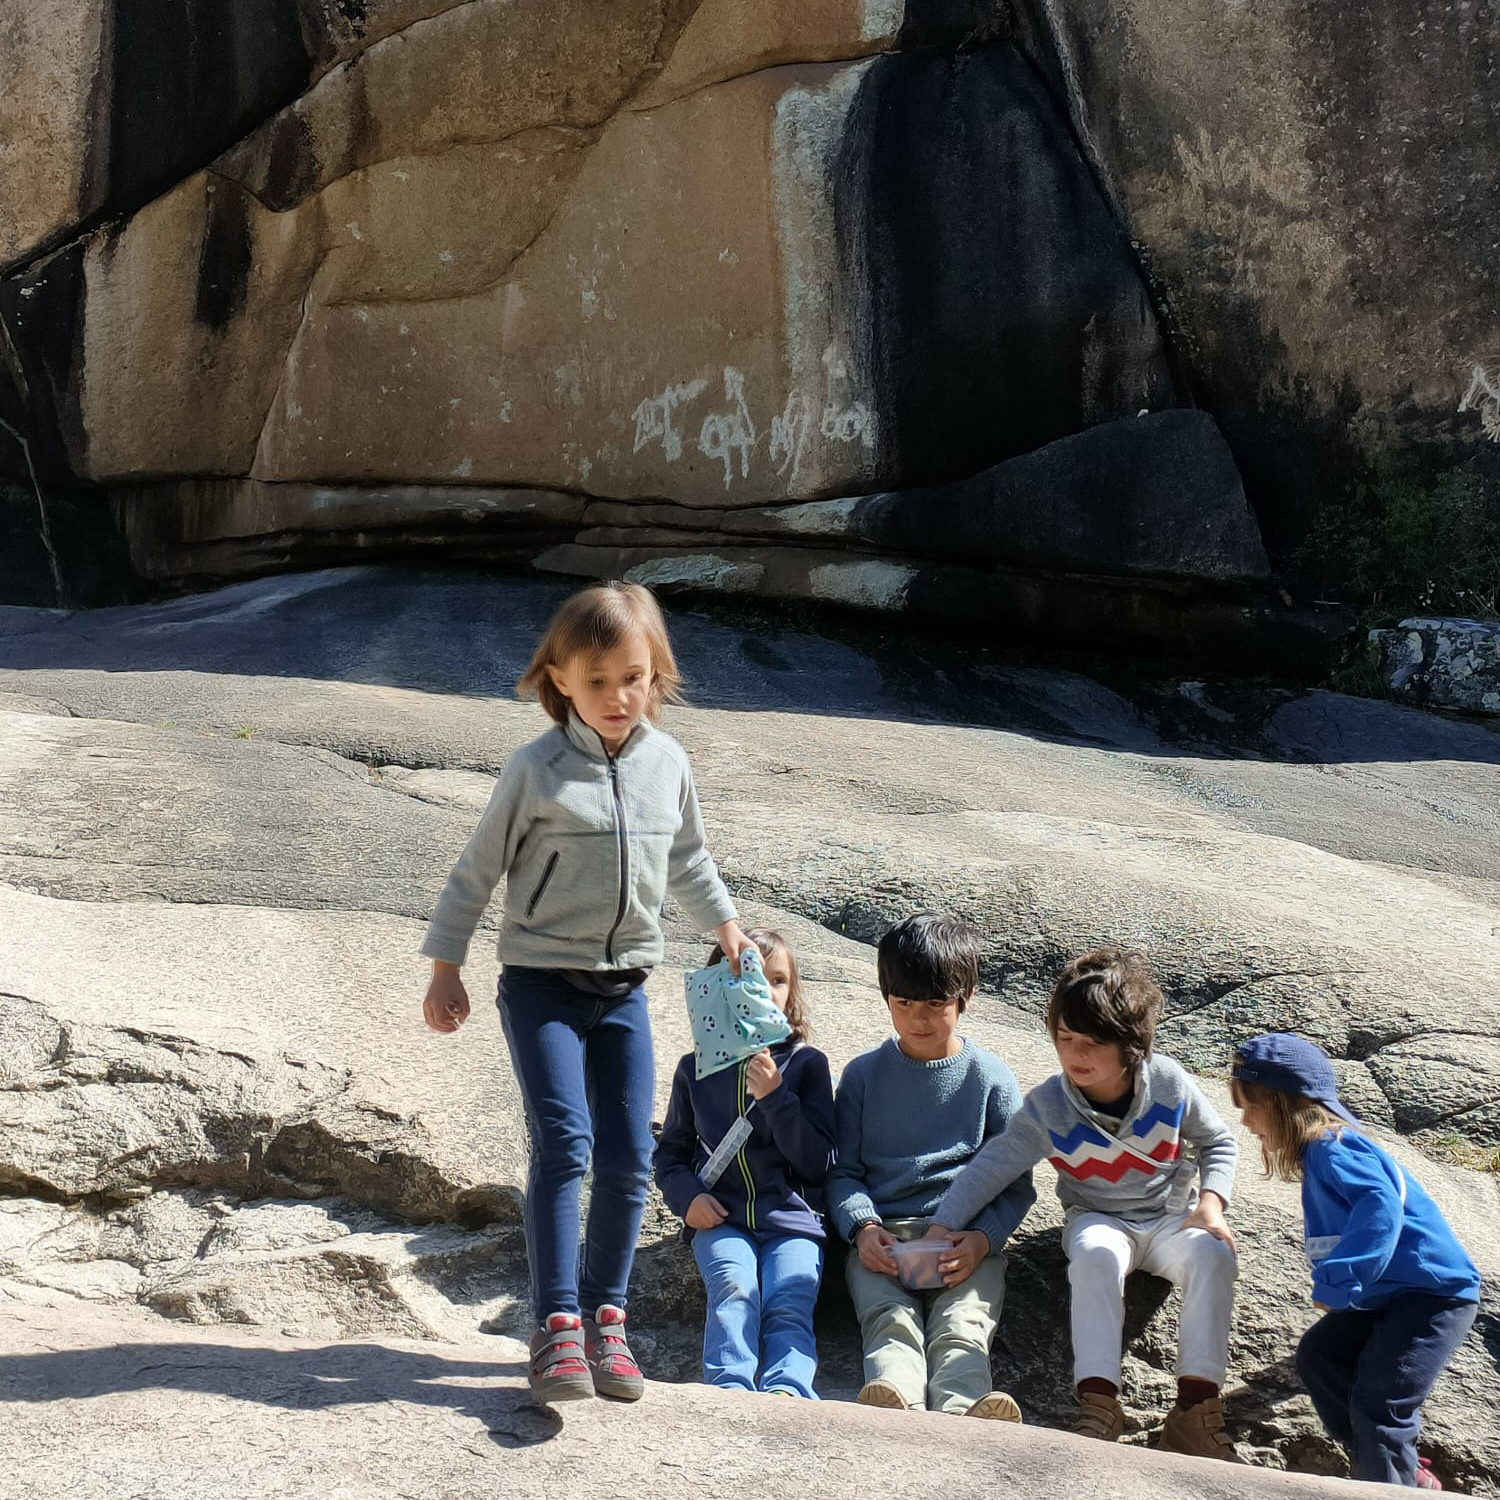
<point>1279,1060</point>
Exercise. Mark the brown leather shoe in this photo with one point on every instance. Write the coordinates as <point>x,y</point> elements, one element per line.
<point>997,1406</point>
<point>1099,1417</point>
<point>1198,1431</point>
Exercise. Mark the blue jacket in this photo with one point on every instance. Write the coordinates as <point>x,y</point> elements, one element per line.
<point>1372,1233</point>
<point>774,1185</point>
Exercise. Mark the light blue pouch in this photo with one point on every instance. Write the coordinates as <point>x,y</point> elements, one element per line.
<point>733,1018</point>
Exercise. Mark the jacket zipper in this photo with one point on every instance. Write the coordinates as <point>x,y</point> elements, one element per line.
<point>623,834</point>
<point>743,1160</point>
<point>541,885</point>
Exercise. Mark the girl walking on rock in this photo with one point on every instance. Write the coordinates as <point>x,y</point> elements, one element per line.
<point>1397,1291</point>
<point>590,825</point>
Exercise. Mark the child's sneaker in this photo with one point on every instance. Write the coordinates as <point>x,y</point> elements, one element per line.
<point>1198,1431</point>
<point>1426,1479</point>
<point>881,1393</point>
<point>558,1369</point>
<point>610,1361</point>
<point>1099,1416</point>
<point>997,1406</point>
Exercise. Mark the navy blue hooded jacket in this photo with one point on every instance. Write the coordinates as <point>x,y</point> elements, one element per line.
<point>774,1184</point>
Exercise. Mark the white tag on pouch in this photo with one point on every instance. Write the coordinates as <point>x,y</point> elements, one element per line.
<point>1184,1179</point>
<point>723,1153</point>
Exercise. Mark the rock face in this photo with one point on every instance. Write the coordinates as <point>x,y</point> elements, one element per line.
<point>732,256</point>
<point>1443,663</point>
<point>223,820</point>
<point>432,259</point>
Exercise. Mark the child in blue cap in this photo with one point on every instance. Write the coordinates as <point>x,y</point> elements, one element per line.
<point>1397,1290</point>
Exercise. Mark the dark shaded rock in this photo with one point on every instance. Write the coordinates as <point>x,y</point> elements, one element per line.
<point>1001,305</point>
<point>61,549</point>
<point>1312,189</point>
<point>1157,496</point>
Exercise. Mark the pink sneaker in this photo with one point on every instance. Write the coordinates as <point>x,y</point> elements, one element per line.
<point>1426,1479</point>
<point>559,1371</point>
<point>609,1358</point>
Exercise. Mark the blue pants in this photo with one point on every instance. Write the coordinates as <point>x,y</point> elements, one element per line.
<point>1368,1374</point>
<point>760,1310</point>
<point>585,1069</point>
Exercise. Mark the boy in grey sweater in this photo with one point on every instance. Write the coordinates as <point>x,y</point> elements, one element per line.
<point>1116,1123</point>
<point>908,1115</point>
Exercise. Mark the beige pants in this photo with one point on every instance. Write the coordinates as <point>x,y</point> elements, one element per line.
<point>934,1347</point>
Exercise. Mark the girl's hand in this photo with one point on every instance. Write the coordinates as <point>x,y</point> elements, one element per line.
<point>762,1076</point>
<point>446,1005</point>
<point>970,1246</point>
<point>705,1212</point>
<point>733,942</point>
<point>1209,1216</point>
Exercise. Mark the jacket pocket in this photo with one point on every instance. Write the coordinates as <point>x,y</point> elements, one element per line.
<point>541,884</point>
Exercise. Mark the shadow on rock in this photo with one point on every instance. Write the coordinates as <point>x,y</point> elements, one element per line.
<point>313,1379</point>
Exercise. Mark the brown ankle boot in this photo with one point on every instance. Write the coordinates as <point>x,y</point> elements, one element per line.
<point>1099,1417</point>
<point>1198,1431</point>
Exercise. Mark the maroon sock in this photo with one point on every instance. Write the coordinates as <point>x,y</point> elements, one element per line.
<point>1190,1392</point>
<point>1096,1385</point>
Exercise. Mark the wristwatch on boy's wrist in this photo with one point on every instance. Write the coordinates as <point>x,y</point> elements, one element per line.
<point>860,1228</point>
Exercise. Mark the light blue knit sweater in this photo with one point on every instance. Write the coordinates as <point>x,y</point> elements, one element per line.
<point>905,1129</point>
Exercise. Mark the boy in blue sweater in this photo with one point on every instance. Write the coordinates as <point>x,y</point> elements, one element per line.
<point>908,1116</point>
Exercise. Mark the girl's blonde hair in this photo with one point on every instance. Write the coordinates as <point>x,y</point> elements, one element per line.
<point>1295,1123</point>
<point>594,621</point>
<point>771,943</point>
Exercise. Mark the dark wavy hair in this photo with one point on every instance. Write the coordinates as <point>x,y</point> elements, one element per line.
<point>1109,995</point>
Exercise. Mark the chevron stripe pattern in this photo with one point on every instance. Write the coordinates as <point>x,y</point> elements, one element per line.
<point>1086,1151</point>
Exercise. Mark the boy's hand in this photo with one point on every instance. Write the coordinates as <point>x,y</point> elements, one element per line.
<point>762,1076</point>
<point>733,942</point>
<point>1209,1216</point>
<point>871,1242</point>
<point>970,1246</point>
<point>446,1006</point>
<point>705,1212</point>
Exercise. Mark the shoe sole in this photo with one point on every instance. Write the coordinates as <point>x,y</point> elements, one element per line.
<point>879,1393</point>
<point>555,1392</point>
<point>626,1390</point>
<point>998,1408</point>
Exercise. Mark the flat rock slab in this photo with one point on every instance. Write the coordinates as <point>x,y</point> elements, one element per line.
<point>103,1404</point>
<point>321,742</point>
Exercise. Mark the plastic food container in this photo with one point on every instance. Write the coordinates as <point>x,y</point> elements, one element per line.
<point>917,1263</point>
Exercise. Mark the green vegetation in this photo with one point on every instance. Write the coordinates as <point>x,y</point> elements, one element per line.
<point>1409,541</point>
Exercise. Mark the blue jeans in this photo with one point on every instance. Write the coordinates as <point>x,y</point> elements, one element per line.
<point>760,1310</point>
<point>1368,1374</point>
<point>586,1073</point>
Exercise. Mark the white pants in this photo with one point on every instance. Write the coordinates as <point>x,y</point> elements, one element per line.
<point>1102,1251</point>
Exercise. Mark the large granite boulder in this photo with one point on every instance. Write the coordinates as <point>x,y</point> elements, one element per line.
<point>727,255</point>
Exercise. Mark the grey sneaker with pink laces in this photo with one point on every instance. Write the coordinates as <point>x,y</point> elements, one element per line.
<point>610,1361</point>
<point>559,1370</point>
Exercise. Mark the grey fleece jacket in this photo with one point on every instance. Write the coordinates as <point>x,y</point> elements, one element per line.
<point>589,844</point>
<point>1122,1167</point>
